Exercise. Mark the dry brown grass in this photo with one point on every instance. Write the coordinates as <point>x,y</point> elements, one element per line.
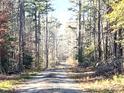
<point>114,85</point>
<point>72,62</point>
<point>99,84</point>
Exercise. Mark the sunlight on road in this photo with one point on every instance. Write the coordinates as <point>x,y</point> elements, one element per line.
<point>51,81</point>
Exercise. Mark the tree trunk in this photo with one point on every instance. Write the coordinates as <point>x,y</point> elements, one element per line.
<point>80,36</point>
<point>99,31</point>
<point>46,45</point>
<point>94,30</point>
<point>115,44</point>
<point>106,42</point>
<point>21,34</point>
<point>36,38</point>
<point>120,52</point>
<point>39,28</point>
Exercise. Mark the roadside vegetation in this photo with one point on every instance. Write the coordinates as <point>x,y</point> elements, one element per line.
<point>8,83</point>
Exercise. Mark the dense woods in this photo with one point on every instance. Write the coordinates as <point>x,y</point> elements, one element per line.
<point>100,33</point>
<point>28,35</point>
<point>25,37</point>
<point>85,48</point>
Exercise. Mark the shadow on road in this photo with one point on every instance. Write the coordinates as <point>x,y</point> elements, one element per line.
<point>51,81</point>
<point>53,90</point>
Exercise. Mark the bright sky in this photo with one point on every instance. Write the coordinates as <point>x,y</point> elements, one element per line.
<point>61,13</point>
<point>61,10</point>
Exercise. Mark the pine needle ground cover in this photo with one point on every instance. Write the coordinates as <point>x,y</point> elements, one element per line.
<point>101,85</point>
<point>6,86</point>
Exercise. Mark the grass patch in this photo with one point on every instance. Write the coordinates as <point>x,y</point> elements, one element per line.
<point>6,86</point>
<point>114,85</point>
<point>25,76</point>
<point>28,75</point>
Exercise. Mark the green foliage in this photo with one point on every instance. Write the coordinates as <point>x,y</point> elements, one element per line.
<point>79,56</point>
<point>5,65</point>
<point>89,49</point>
<point>28,59</point>
<point>83,61</point>
<point>32,6</point>
<point>7,49</point>
<point>86,63</point>
<point>116,16</point>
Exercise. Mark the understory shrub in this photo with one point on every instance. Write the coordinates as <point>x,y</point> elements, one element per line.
<point>109,68</point>
<point>27,60</point>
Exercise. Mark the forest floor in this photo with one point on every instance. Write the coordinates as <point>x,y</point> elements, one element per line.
<point>55,80</point>
<point>65,78</point>
<point>98,84</point>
